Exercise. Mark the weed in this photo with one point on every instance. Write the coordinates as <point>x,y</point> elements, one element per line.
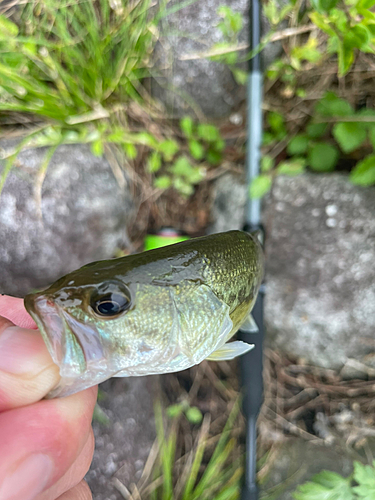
<point>77,68</point>
<point>335,130</point>
<point>169,476</point>
<point>184,167</point>
<point>322,32</point>
<point>192,413</point>
<point>73,67</point>
<point>358,486</point>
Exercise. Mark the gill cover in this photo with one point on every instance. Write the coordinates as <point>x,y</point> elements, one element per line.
<point>199,325</point>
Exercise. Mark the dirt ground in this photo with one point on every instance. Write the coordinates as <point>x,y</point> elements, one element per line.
<point>311,420</point>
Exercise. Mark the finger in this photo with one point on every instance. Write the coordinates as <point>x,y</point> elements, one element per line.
<point>75,473</point>
<point>13,309</point>
<point>40,442</point>
<point>27,372</point>
<point>79,492</point>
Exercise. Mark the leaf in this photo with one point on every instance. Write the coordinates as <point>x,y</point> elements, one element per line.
<point>370,113</point>
<point>146,139</point>
<point>7,28</point>
<point>194,415</point>
<point>333,44</point>
<point>323,157</point>
<point>169,148</point>
<point>357,37</point>
<point>97,147</point>
<point>154,162</point>
<point>29,48</point>
<point>260,186</point>
<point>322,22</point>
<point>100,417</point>
<point>240,76</point>
<point>325,486</point>
<point>339,19</point>
<point>366,4</point>
<point>219,145</point>
<point>349,135</point>
<point>267,163</point>
<point>275,69</point>
<point>130,150</point>
<point>367,15</point>
<point>71,137</point>
<point>196,149</point>
<point>163,182</point>
<point>276,121</point>
<point>195,175</point>
<point>208,132</point>
<point>346,57</point>
<point>174,411</point>
<point>292,167</point>
<point>229,58</point>
<point>298,145</point>
<point>363,173</point>
<point>268,138</point>
<point>224,11</point>
<point>181,166</point>
<point>236,22</point>
<point>364,475</point>
<point>213,157</point>
<point>183,187</point>
<point>332,105</point>
<point>308,52</point>
<point>187,126</point>
<point>372,136</point>
<point>316,130</point>
<point>324,6</point>
<point>186,172</point>
<point>232,21</point>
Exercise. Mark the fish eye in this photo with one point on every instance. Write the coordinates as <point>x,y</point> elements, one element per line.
<point>110,303</point>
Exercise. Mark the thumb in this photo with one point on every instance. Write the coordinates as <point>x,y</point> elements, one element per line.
<point>27,372</point>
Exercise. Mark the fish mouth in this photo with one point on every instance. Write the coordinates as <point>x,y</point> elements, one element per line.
<point>74,346</point>
<point>45,314</point>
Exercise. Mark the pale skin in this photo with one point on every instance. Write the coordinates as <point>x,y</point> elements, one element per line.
<point>46,446</point>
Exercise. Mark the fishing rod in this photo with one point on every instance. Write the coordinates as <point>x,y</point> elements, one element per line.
<point>251,363</point>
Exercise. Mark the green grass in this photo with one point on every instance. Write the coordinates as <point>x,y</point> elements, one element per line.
<point>75,67</point>
<point>71,61</point>
<point>203,472</point>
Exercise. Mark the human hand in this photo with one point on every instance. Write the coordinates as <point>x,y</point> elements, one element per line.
<point>46,446</point>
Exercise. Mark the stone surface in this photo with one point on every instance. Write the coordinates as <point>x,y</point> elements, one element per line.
<point>228,209</point>
<point>209,84</point>
<point>122,446</point>
<point>297,461</point>
<point>320,249</point>
<point>84,217</point>
<point>320,267</point>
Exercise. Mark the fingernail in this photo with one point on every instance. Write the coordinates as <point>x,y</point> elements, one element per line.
<point>28,480</point>
<point>22,351</point>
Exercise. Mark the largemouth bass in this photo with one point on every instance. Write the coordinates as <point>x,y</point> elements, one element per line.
<point>155,312</point>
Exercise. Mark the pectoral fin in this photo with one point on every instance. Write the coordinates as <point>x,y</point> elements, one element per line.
<point>230,351</point>
<point>249,326</point>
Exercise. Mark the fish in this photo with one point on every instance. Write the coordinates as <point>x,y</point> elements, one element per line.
<point>155,312</point>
